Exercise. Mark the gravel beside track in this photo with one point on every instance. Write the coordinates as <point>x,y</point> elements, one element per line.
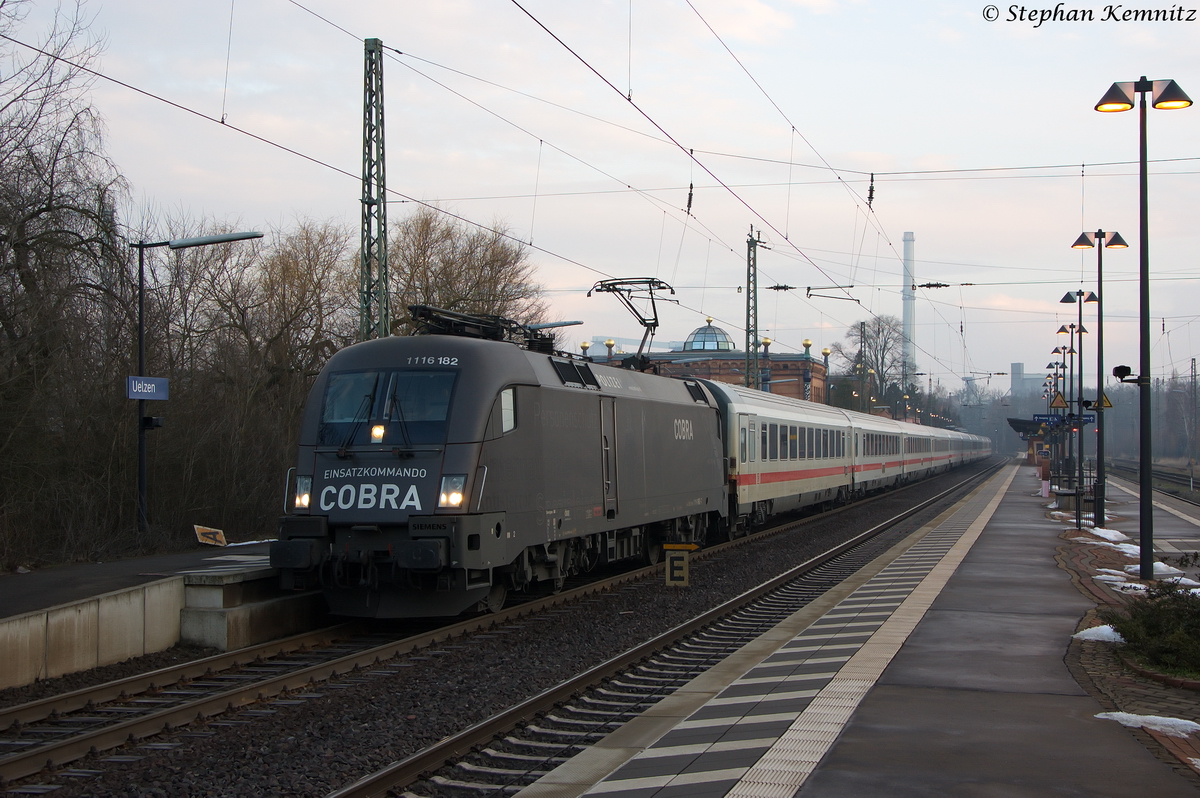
<point>315,742</point>
<point>46,688</point>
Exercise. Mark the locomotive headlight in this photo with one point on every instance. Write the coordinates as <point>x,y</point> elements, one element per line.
<point>303,492</point>
<point>451,494</point>
<point>377,433</point>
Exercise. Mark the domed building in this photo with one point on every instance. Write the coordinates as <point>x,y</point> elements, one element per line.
<point>710,353</point>
<point>707,339</point>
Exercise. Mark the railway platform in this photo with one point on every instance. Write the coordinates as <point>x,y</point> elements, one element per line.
<point>938,671</point>
<point>71,618</point>
<point>44,588</point>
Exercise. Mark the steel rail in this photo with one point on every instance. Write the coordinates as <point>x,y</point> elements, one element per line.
<point>25,763</point>
<point>405,771</point>
<point>1169,477</point>
<point>53,754</point>
<point>148,682</point>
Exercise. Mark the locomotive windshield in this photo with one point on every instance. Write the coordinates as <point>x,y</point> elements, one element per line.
<point>395,407</point>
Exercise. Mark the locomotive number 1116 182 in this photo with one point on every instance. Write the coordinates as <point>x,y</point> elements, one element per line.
<point>433,361</point>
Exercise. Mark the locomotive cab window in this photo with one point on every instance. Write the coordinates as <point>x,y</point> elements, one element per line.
<point>508,410</point>
<point>397,407</point>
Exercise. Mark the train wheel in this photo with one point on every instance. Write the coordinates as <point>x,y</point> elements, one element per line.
<point>653,551</point>
<point>495,598</point>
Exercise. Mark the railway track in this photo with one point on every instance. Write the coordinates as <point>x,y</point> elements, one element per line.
<point>514,748</point>
<point>56,731</point>
<point>1176,483</point>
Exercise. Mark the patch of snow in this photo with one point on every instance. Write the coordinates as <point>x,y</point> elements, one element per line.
<point>1128,549</point>
<point>1183,581</point>
<point>1105,634</point>
<point>1161,569</point>
<point>1172,727</point>
<point>1195,762</point>
<point>1110,578</point>
<point>1112,571</point>
<point>251,542</point>
<point>1131,587</point>
<point>1052,506</point>
<point>1111,535</point>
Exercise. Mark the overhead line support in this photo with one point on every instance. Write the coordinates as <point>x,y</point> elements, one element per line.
<point>374,313</point>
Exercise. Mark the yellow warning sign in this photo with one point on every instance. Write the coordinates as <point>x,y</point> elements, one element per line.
<point>206,534</point>
<point>1104,403</point>
<point>1059,403</point>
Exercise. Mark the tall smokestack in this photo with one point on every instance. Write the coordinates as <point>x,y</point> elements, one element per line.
<point>910,304</point>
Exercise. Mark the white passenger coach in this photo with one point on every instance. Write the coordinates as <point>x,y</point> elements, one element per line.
<point>785,454</point>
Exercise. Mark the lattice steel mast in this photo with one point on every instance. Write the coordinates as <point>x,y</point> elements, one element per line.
<point>753,378</point>
<point>373,311</point>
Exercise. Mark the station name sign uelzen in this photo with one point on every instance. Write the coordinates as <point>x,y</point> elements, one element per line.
<point>147,388</point>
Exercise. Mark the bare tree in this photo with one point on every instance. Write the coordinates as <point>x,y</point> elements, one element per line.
<point>435,261</point>
<point>244,328</point>
<point>877,345</point>
<point>64,295</point>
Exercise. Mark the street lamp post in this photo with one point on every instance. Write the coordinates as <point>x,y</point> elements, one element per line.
<point>1166,95</point>
<point>1101,241</point>
<point>1068,353</point>
<point>143,422</point>
<point>764,378</point>
<point>1079,298</point>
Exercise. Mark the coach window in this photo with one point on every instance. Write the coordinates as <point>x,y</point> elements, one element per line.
<point>793,448</point>
<point>773,440</point>
<point>742,445</point>
<point>783,442</point>
<point>753,442</point>
<point>808,436</point>
<point>763,446</point>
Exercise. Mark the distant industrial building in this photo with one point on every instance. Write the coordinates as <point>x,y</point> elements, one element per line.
<point>1024,385</point>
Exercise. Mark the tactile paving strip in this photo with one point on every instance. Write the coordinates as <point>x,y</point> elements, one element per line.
<point>765,733</point>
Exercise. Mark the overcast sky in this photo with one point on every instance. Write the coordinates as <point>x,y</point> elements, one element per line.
<point>561,157</point>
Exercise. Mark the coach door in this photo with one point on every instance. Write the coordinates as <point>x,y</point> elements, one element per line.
<point>747,452</point>
<point>608,454</point>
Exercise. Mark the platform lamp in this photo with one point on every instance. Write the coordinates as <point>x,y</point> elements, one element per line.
<point>1166,95</point>
<point>825,353</point>
<point>143,421</point>
<point>1066,353</point>
<point>765,372</point>
<point>1079,298</point>
<point>1101,241</point>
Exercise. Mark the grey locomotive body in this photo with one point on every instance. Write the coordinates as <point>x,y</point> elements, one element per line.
<point>437,472</point>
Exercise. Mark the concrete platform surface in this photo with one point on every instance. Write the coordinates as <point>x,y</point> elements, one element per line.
<point>50,587</point>
<point>941,674</point>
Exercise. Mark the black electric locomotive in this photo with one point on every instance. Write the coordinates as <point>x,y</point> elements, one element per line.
<point>437,472</point>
